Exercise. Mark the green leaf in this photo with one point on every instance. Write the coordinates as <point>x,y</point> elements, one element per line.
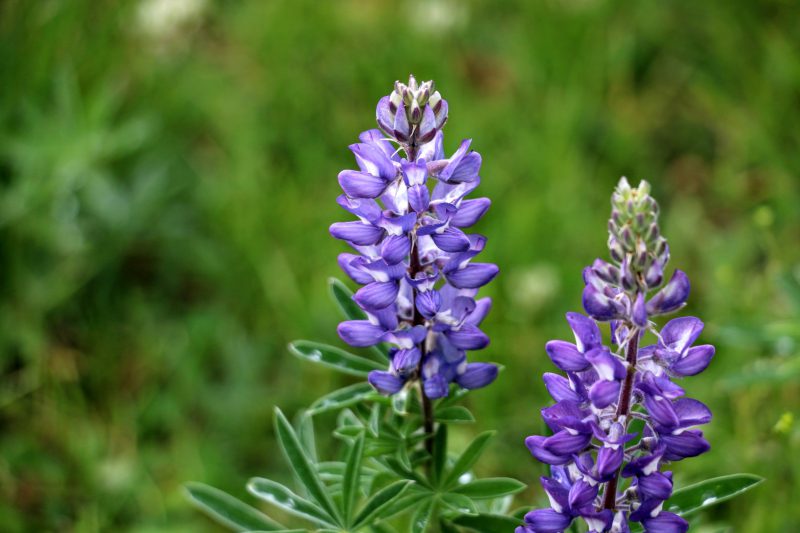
<point>489,488</point>
<point>406,502</point>
<point>439,453</point>
<point>459,503</point>
<point>380,527</point>
<point>375,419</point>
<point>383,498</point>
<point>351,311</point>
<point>381,446</point>
<point>447,527</point>
<point>301,465</point>
<point>710,492</point>
<point>333,357</point>
<point>305,433</point>
<point>469,457</point>
<point>422,516</point>
<point>352,476</point>
<point>228,510</point>
<point>341,398</point>
<point>344,299</point>
<point>454,415</point>
<point>290,531</point>
<point>487,522</point>
<point>277,494</point>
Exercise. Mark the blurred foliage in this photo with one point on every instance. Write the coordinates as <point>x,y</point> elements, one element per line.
<point>167,176</point>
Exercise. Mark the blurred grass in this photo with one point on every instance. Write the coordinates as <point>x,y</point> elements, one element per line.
<point>167,176</point>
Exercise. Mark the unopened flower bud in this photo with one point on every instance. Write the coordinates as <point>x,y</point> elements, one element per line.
<point>626,236</point>
<point>653,233</point>
<point>395,99</point>
<point>414,113</point>
<point>615,249</point>
<point>435,101</point>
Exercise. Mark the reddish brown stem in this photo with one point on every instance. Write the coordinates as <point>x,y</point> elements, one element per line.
<point>623,410</point>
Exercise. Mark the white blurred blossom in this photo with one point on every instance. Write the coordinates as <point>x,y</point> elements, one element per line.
<point>438,15</point>
<point>534,287</point>
<point>164,19</point>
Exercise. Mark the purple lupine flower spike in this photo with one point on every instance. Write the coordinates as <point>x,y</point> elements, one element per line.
<point>413,259</point>
<point>592,443</point>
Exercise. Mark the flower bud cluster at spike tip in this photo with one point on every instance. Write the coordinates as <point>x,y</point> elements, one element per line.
<point>412,114</point>
<point>618,290</point>
<point>592,442</point>
<point>412,256</point>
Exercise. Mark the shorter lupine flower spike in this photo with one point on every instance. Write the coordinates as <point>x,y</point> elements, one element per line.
<point>591,444</point>
<point>413,258</point>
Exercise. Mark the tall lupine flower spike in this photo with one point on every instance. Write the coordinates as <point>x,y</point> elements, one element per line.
<point>412,256</point>
<point>593,442</point>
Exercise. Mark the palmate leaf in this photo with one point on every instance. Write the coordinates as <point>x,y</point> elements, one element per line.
<point>302,467</point>
<point>490,488</point>
<point>277,494</point>
<point>704,494</point>
<point>334,357</point>
<point>228,510</point>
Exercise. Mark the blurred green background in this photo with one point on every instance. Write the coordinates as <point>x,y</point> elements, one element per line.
<point>168,175</point>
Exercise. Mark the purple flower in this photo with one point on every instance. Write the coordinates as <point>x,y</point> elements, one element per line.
<point>603,391</point>
<point>412,256</point>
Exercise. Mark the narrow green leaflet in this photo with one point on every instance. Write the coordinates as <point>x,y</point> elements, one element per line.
<point>489,488</point>
<point>341,398</point>
<point>380,527</point>
<point>352,476</point>
<point>375,419</point>
<point>277,494</point>
<point>447,527</point>
<point>422,516</point>
<point>228,510</point>
<point>351,311</point>
<point>487,522</point>
<point>302,467</point>
<point>454,415</point>
<point>289,531</point>
<point>439,453</point>
<point>304,425</point>
<point>344,299</point>
<point>468,458</point>
<point>407,501</point>
<point>710,492</point>
<point>333,357</point>
<point>459,503</point>
<point>383,498</point>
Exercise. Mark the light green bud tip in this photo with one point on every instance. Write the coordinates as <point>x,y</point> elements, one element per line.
<point>633,228</point>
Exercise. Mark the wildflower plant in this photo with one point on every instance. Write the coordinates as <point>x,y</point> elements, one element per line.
<point>620,418</point>
<point>416,315</point>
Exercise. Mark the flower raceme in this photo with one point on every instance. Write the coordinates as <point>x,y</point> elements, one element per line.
<point>618,413</point>
<point>412,257</point>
